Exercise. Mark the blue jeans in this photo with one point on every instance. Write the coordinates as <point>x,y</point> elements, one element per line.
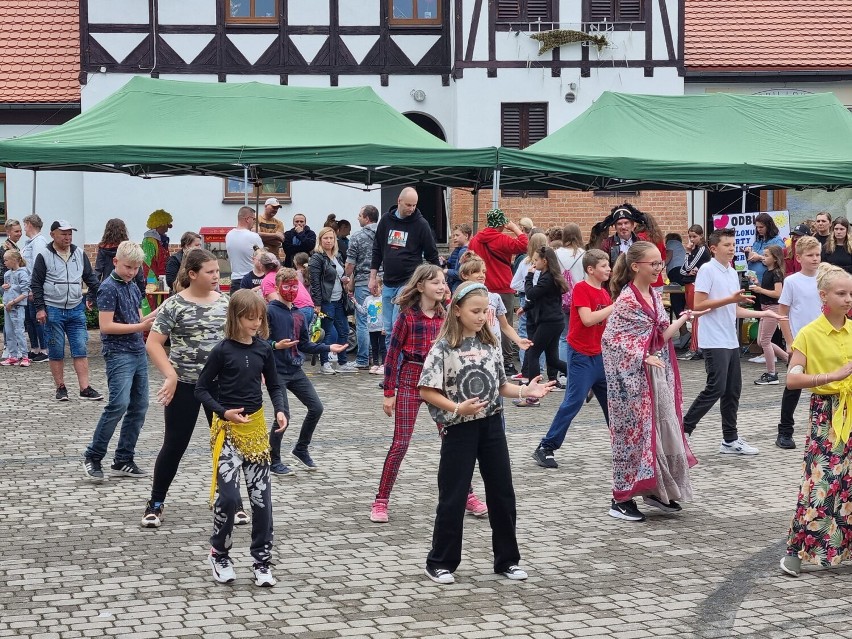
<point>363,358</point>
<point>336,328</point>
<point>389,311</point>
<point>37,333</point>
<point>127,377</point>
<point>563,341</point>
<point>70,322</point>
<point>586,373</point>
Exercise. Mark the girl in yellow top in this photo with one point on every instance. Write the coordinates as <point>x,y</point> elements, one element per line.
<point>821,530</point>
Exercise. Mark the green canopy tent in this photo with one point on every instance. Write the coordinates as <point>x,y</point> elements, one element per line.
<point>712,142</point>
<point>154,127</point>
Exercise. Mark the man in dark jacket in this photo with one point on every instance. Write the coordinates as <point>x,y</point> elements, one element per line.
<point>404,240</point>
<point>299,239</point>
<point>624,218</point>
<point>57,284</point>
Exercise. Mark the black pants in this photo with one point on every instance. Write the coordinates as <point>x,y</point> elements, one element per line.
<point>377,348</point>
<point>510,350</point>
<point>463,444</point>
<point>545,340</point>
<point>236,285</point>
<point>180,417</point>
<point>724,382</point>
<point>298,384</point>
<point>789,402</point>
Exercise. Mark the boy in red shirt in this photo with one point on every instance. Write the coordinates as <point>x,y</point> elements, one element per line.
<point>591,305</point>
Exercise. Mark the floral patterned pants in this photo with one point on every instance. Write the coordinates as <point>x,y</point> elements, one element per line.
<point>821,531</point>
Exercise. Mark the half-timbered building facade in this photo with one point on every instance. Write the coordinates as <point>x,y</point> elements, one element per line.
<point>469,71</point>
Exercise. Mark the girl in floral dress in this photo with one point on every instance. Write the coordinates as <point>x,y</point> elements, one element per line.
<point>650,455</point>
<point>821,530</point>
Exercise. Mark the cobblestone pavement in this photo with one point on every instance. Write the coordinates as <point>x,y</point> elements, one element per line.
<point>76,563</point>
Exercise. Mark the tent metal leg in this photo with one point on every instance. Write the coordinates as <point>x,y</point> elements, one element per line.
<point>495,190</point>
<point>475,210</point>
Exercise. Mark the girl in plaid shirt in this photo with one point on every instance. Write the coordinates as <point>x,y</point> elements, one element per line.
<point>420,318</point>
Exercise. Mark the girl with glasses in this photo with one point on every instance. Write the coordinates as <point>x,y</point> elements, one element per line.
<point>650,454</point>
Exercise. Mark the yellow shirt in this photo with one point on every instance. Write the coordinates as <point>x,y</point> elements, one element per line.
<point>826,349</point>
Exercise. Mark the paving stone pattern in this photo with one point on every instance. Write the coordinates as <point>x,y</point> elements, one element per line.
<point>75,562</point>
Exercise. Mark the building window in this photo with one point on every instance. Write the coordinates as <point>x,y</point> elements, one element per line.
<point>235,190</point>
<point>414,12</point>
<point>251,11</point>
<point>2,196</point>
<point>524,11</point>
<point>522,124</point>
<point>613,11</point>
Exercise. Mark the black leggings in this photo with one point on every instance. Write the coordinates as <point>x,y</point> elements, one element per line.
<point>180,417</point>
<point>545,340</point>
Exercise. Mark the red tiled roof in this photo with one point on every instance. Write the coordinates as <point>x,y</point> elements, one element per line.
<point>40,41</point>
<point>764,35</point>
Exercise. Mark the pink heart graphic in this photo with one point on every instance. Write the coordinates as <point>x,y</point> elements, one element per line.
<point>720,222</point>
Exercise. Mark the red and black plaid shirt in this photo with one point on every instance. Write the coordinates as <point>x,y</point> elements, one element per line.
<point>413,334</point>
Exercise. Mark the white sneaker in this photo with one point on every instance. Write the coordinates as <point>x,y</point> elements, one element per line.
<point>332,357</point>
<point>327,369</point>
<point>222,567</point>
<point>515,573</point>
<point>348,367</point>
<point>760,359</point>
<point>738,447</point>
<point>263,576</point>
<point>377,370</point>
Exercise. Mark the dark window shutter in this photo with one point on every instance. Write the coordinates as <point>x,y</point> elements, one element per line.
<point>538,10</point>
<point>601,11</point>
<point>522,124</point>
<point>630,11</point>
<point>508,10</point>
<point>523,10</point>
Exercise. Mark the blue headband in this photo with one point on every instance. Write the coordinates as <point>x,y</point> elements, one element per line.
<point>468,289</point>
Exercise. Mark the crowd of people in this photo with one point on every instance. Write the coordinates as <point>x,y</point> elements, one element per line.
<point>443,331</point>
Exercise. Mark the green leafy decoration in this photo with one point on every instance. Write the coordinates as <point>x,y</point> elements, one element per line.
<point>548,40</point>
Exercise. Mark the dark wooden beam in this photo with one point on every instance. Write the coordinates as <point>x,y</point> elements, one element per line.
<point>667,29</point>
<point>492,38</point>
<point>474,26</point>
<point>649,37</point>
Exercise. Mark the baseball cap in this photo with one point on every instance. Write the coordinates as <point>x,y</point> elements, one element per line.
<point>801,229</point>
<point>273,201</point>
<point>62,225</point>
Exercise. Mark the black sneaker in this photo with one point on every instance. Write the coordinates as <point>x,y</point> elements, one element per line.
<point>304,459</point>
<point>786,442</point>
<point>90,393</point>
<point>510,369</point>
<point>767,379</point>
<point>39,357</point>
<point>281,469</point>
<point>93,469</point>
<point>656,502</point>
<point>544,458</point>
<point>62,394</point>
<point>126,469</point>
<point>153,516</point>
<point>440,575</point>
<point>626,510</point>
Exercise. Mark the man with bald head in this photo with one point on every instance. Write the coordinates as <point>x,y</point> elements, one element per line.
<point>404,240</point>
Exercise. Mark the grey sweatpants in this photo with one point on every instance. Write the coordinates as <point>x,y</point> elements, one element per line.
<point>228,500</point>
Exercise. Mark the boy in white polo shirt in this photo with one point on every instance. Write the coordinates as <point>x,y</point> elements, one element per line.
<point>717,290</point>
<point>800,300</point>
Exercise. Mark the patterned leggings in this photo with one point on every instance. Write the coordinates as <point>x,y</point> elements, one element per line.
<point>407,406</point>
<point>228,501</point>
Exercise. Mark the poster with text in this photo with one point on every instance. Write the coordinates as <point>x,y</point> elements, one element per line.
<point>743,225</point>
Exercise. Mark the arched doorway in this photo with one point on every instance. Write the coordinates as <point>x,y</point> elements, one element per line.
<point>431,199</point>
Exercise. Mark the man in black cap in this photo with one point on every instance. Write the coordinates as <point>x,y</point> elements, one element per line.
<point>57,283</point>
<point>791,264</point>
<point>624,217</point>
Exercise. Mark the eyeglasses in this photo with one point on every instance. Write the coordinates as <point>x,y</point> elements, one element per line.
<point>657,264</point>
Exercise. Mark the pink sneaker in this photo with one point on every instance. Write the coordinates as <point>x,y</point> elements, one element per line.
<point>25,361</point>
<point>379,511</point>
<point>9,361</point>
<point>475,507</point>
